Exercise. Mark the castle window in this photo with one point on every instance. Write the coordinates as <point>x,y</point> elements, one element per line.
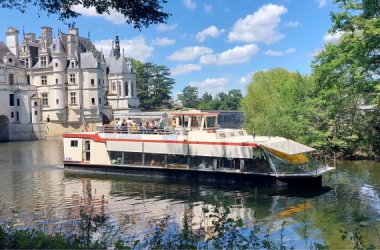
<point>28,79</point>
<point>56,65</point>
<point>26,62</point>
<point>12,115</point>
<point>35,112</point>
<point>73,97</point>
<point>126,88</point>
<point>45,99</point>
<point>56,81</point>
<point>114,88</point>
<point>72,65</point>
<point>57,102</point>
<point>10,79</point>
<point>43,80</point>
<point>35,103</point>
<point>17,116</point>
<point>93,101</point>
<point>92,81</point>
<point>24,51</point>
<point>100,101</point>
<point>18,102</point>
<point>119,89</point>
<point>72,78</point>
<point>132,89</point>
<point>43,61</point>
<point>11,100</point>
<point>99,82</point>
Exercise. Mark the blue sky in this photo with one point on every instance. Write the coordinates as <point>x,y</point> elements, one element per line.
<point>213,45</point>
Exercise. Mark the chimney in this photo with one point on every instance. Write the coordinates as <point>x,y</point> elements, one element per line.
<point>12,40</point>
<point>47,34</point>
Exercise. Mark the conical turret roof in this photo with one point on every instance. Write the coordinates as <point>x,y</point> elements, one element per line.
<point>57,45</point>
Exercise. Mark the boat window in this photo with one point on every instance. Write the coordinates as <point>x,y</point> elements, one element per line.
<point>210,121</point>
<point>116,157</point>
<point>87,145</point>
<point>202,162</point>
<point>155,160</point>
<point>297,164</point>
<point>232,134</point>
<point>227,163</point>
<point>133,158</point>
<point>87,151</point>
<point>177,161</point>
<point>222,135</point>
<point>258,165</point>
<point>74,143</point>
<point>241,133</point>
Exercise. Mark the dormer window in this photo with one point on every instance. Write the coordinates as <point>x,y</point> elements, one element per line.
<point>56,65</point>
<point>27,63</point>
<point>10,60</point>
<point>72,78</point>
<point>43,61</point>
<point>56,81</point>
<point>72,65</point>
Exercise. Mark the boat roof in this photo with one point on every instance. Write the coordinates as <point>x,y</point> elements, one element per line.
<point>192,113</point>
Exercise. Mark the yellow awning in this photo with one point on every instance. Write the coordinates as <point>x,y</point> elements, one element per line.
<point>293,159</point>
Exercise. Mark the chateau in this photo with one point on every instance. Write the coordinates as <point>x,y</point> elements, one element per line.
<point>53,82</point>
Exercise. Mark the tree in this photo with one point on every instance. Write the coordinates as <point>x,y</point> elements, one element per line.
<point>189,97</point>
<point>140,13</point>
<point>206,97</point>
<point>153,85</point>
<point>277,102</point>
<point>346,74</point>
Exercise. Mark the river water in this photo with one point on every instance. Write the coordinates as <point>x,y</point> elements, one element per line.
<point>34,183</point>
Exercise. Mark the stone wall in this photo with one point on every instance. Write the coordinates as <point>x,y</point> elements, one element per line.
<point>229,118</point>
<point>27,132</point>
<point>55,130</point>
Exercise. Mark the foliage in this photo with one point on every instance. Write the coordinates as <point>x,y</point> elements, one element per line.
<point>153,85</point>
<point>189,97</point>
<point>346,74</point>
<point>277,102</point>
<point>140,13</point>
<point>222,101</point>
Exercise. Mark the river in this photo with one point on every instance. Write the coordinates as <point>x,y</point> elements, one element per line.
<point>34,183</point>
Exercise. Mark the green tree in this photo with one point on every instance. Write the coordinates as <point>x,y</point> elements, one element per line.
<point>346,74</point>
<point>206,97</point>
<point>277,103</point>
<point>189,97</point>
<point>153,85</point>
<point>140,13</point>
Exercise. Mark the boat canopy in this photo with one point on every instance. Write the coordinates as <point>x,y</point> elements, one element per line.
<point>288,147</point>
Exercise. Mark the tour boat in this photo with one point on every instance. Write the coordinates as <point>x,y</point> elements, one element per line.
<point>192,146</point>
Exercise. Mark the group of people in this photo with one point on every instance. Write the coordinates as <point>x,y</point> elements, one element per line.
<point>132,127</point>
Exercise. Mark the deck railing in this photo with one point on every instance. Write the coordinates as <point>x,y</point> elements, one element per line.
<point>137,130</point>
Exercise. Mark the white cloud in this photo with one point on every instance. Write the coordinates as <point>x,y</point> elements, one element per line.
<point>273,53</point>
<point>189,53</point>
<point>184,69</point>
<point>183,36</point>
<point>261,26</point>
<point>316,52</point>
<point>114,16</point>
<point>208,8</point>
<point>135,47</point>
<point>165,27</point>
<point>321,3</point>
<point>163,41</point>
<point>246,78</point>
<point>330,38</point>
<point>191,5</point>
<point>291,50</point>
<point>278,53</point>
<point>212,82</point>
<point>291,24</point>
<point>210,31</point>
<point>211,85</point>
<point>239,54</point>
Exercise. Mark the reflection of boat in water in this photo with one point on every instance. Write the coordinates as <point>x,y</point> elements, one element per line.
<point>194,151</point>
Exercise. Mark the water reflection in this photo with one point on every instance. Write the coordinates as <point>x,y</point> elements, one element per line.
<point>33,182</point>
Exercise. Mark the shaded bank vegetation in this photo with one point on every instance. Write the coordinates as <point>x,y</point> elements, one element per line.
<point>335,108</point>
